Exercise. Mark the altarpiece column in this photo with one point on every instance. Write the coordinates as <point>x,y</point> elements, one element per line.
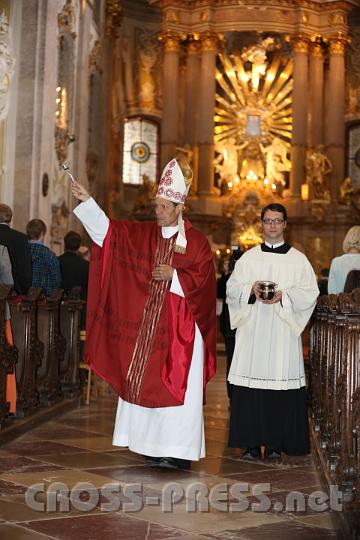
<point>170,116</point>
<point>299,106</point>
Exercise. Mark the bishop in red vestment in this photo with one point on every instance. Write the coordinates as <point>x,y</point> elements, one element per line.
<point>151,311</point>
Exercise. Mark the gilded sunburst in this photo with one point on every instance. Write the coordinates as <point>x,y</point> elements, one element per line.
<point>254,96</point>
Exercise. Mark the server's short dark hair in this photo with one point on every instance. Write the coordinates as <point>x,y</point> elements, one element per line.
<point>72,241</point>
<point>274,207</point>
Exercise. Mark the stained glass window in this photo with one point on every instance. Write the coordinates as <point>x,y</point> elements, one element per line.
<point>140,150</point>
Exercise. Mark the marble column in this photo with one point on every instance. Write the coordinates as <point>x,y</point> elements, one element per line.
<point>299,107</point>
<point>335,128</point>
<point>170,116</point>
<point>316,104</point>
<point>192,101</point>
<point>209,45</point>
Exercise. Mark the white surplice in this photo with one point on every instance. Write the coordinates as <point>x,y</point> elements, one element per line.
<point>164,431</point>
<point>268,350</point>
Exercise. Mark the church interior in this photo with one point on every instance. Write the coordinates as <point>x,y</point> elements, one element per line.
<point>261,98</point>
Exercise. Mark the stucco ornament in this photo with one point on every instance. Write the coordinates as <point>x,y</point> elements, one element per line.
<point>7,65</point>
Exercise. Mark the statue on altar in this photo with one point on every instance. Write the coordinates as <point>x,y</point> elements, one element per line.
<point>349,193</point>
<point>252,159</point>
<point>318,167</point>
<point>226,162</point>
<point>277,162</point>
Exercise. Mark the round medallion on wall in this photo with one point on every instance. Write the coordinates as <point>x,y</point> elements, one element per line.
<point>357,158</point>
<point>140,152</point>
<point>45,184</point>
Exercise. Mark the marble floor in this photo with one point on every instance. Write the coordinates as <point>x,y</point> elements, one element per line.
<point>216,499</point>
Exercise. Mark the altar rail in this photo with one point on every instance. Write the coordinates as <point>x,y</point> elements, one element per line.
<point>335,396</point>
<point>46,349</point>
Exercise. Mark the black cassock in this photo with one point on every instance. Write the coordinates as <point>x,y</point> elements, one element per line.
<point>273,418</point>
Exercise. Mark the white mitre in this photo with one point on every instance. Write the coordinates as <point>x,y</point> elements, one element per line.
<point>172,187</point>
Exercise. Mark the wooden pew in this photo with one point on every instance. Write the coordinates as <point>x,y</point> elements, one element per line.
<point>335,374</point>
<point>31,350</point>
<point>8,355</point>
<point>70,319</point>
<point>48,374</point>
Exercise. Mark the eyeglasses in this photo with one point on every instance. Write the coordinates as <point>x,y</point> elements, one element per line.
<point>269,221</point>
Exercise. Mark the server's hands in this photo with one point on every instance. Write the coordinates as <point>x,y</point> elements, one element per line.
<point>256,290</point>
<point>277,298</point>
<point>79,191</point>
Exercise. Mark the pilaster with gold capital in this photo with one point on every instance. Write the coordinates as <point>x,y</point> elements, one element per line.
<point>170,118</point>
<point>335,120</point>
<point>210,41</point>
<point>300,46</point>
<point>170,41</point>
<point>299,43</point>
<point>193,46</point>
<point>337,45</point>
<point>316,49</point>
<point>316,87</point>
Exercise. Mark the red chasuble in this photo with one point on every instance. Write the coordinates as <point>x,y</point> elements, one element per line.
<point>140,337</point>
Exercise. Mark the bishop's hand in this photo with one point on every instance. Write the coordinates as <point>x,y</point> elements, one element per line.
<point>79,192</point>
<point>163,272</point>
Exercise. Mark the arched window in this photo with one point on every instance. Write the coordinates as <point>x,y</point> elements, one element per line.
<point>140,157</point>
<point>353,154</point>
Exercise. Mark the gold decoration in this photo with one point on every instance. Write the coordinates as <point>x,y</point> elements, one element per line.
<point>337,18</point>
<point>66,19</point>
<point>349,194</point>
<point>61,143</point>
<point>318,167</point>
<point>345,5</point>
<point>193,46</point>
<point>146,195</point>
<point>317,46</point>
<point>245,210</point>
<point>95,60</point>
<point>171,41</point>
<point>113,17</point>
<point>250,238</point>
<point>204,16</point>
<point>337,46</point>
<point>345,190</point>
<point>240,96</point>
<point>172,16</point>
<point>210,41</point>
<point>300,44</point>
<point>184,157</point>
<point>304,18</point>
